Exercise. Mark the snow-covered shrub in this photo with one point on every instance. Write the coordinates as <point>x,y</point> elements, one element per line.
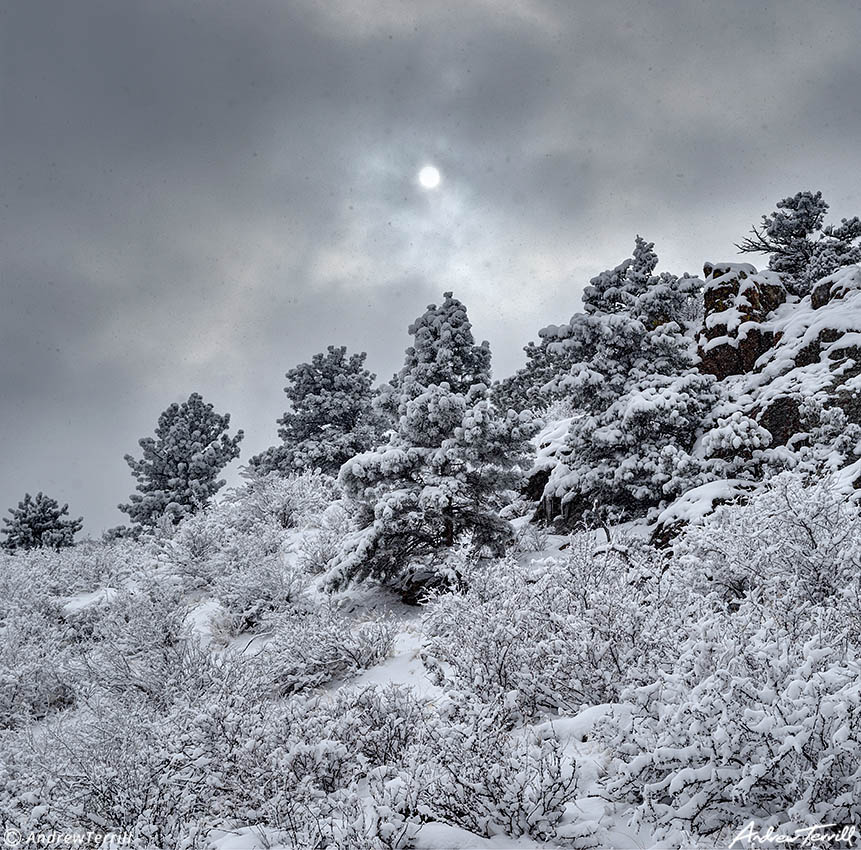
<point>143,650</point>
<point>37,674</point>
<point>37,644</point>
<point>759,717</point>
<point>788,547</point>
<point>378,725</point>
<point>251,596</point>
<point>476,774</point>
<point>554,636</point>
<point>830,442</point>
<point>532,538</point>
<point>85,567</point>
<point>281,500</point>
<point>189,549</point>
<point>253,580</point>
<point>313,646</point>
<point>754,724</point>
<point>154,774</point>
<point>320,547</point>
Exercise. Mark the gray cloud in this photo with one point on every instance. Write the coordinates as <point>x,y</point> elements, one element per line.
<point>196,196</point>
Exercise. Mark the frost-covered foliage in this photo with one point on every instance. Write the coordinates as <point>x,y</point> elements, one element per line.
<point>286,501</point>
<point>789,547</point>
<point>558,635</point>
<point>314,646</point>
<point>46,625</point>
<point>801,245</point>
<point>754,724</point>
<point>241,550</point>
<point>448,462</point>
<point>629,377</point>
<point>178,472</point>
<point>330,417</point>
<point>37,522</point>
<point>481,776</point>
<point>758,719</point>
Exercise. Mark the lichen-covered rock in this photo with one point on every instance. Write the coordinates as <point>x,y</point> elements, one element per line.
<point>737,301</point>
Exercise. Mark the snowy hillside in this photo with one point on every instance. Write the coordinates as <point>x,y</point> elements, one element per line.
<point>612,602</point>
<point>196,689</point>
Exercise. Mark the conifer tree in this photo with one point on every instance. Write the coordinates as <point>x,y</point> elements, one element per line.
<point>801,245</point>
<point>331,416</point>
<point>178,472</point>
<point>452,454</point>
<point>444,349</point>
<point>40,522</point>
<point>631,380</point>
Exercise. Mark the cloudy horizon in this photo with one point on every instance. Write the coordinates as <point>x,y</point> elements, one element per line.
<point>198,196</point>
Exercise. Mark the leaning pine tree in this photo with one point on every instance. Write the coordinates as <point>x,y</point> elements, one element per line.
<point>40,522</point>
<point>451,455</point>
<point>178,473</point>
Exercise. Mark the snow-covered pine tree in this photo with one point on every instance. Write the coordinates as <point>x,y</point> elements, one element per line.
<point>531,387</point>
<point>442,475</point>
<point>444,350</point>
<point>178,473</point>
<point>801,245</point>
<point>39,522</point>
<point>331,416</point>
<point>632,383</point>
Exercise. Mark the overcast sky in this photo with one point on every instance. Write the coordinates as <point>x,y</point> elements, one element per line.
<point>197,195</point>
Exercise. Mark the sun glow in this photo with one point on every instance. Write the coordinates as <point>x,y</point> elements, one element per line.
<point>429,177</point>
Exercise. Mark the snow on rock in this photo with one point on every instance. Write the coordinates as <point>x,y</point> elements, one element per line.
<point>817,353</point>
<point>737,300</point>
<point>836,286</point>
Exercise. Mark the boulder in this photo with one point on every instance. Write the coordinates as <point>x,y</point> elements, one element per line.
<point>737,300</point>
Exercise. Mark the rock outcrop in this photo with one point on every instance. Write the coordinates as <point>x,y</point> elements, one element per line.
<point>737,301</point>
<point>772,352</point>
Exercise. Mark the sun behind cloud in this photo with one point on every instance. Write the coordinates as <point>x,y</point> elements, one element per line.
<point>429,177</point>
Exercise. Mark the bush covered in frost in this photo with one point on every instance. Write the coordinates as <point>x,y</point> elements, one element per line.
<point>759,717</point>
<point>556,635</point>
<point>788,549</point>
<point>754,724</point>
<point>313,646</point>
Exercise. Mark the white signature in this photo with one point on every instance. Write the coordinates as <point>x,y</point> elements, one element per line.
<point>821,834</point>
